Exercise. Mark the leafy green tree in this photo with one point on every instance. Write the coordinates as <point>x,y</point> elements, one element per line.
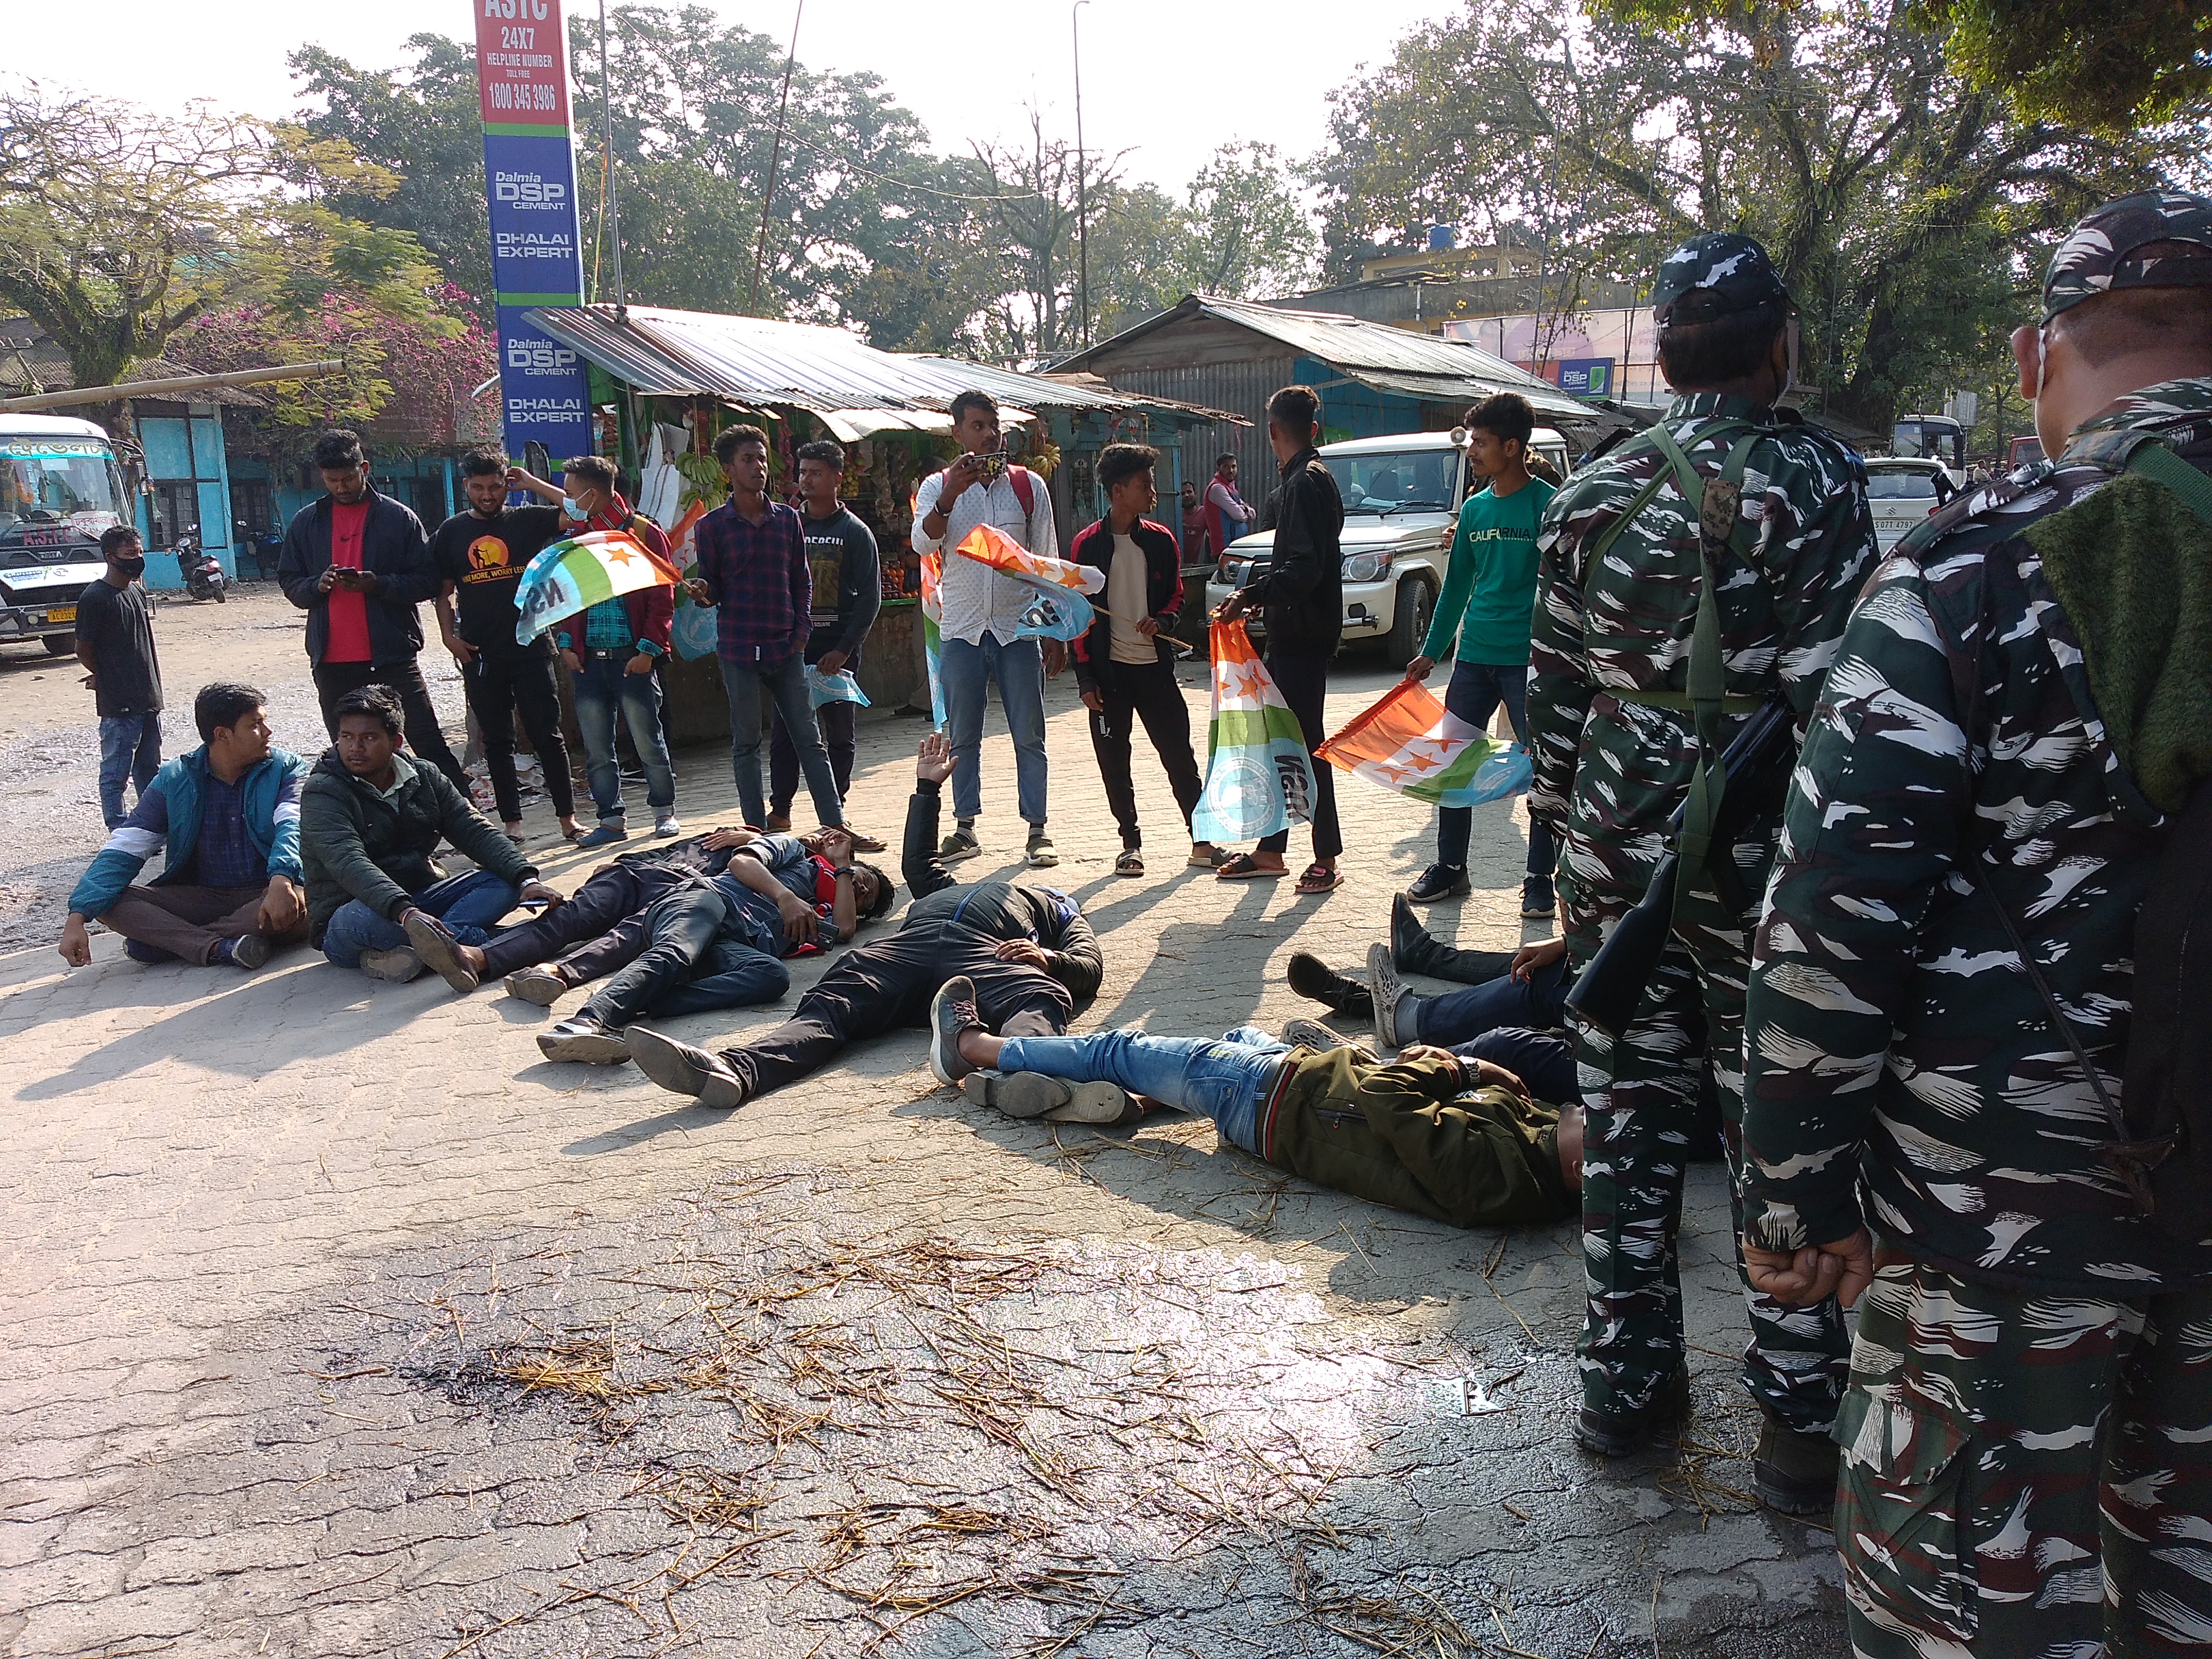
<point>1247,233</point>
<point>1900,202</point>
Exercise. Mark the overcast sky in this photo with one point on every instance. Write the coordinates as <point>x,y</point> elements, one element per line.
<point>1167,80</point>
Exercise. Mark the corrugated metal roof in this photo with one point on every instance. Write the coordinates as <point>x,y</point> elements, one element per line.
<point>825,371</point>
<point>1375,354</point>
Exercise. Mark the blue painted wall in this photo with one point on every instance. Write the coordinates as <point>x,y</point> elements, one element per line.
<point>187,448</point>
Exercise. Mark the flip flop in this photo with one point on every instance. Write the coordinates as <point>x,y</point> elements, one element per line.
<point>1319,878</point>
<point>1244,867</point>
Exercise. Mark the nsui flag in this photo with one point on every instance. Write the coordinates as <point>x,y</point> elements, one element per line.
<point>1258,778</point>
<point>1409,742</point>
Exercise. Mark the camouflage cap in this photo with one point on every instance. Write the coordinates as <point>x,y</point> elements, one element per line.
<point>2100,254</point>
<point>1732,269</point>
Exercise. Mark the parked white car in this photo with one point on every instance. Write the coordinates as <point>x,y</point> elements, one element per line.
<point>1402,500</point>
<point>1903,490</point>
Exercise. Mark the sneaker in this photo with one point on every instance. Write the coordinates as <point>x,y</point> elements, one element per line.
<point>248,950</point>
<point>1032,1094</point>
<point>1312,1033</point>
<point>1538,899</point>
<point>1794,1473</point>
<point>684,1070</point>
<point>1043,855</point>
<point>1437,883</point>
<point>1410,947</point>
<point>542,986</point>
<point>1621,1434</point>
<point>960,844</point>
<point>397,966</point>
<point>776,823</point>
<point>610,831</point>
<point>1316,981</point>
<point>438,950</point>
<point>952,1016</point>
<point>667,826</point>
<point>584,1039</point>
<point>1384,985</point>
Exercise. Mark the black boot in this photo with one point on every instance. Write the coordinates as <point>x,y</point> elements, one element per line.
<point>1795,1473</point>
<point>1622,1434</point>
<point>1414,950</point>
<point>1315,981</point>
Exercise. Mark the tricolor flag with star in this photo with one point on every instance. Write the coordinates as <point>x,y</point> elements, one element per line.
<point>1410,743</point>
<point>1259,778</point>
<point>578,572</point>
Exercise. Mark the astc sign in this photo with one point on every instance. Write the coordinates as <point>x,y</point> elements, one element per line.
<point>536,250</point>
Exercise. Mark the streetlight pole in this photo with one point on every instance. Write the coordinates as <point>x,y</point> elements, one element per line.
<point>1082,178</point>
<point>607,152</point>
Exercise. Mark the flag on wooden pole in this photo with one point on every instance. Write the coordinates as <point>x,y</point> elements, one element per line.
<point>1410,743</point>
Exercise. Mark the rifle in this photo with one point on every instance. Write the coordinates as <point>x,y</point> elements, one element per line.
<point>1756,764</point>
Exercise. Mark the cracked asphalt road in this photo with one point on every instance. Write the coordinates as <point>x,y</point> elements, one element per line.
<point>342,1323</point>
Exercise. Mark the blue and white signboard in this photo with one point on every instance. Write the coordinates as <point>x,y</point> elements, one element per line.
<point>536,243</point>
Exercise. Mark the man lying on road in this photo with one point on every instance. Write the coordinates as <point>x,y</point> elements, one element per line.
<point>1030,953</point>
<point>1453,1138</point>
<point>712,942</point>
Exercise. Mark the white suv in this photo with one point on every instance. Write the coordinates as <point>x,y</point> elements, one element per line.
<point>1401,500</point>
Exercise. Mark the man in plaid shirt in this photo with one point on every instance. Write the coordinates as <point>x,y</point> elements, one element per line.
<point>753,569</point>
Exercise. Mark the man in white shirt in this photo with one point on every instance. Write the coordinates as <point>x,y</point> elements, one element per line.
<point>982,613</point>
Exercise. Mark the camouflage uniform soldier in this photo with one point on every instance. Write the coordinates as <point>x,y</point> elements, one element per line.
<point>2028,1431</point>
<point>1618,742</point>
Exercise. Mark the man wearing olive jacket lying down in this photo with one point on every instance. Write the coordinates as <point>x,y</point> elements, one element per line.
<point>1031,956</point>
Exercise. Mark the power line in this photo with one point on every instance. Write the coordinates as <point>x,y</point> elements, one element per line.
<point>774,155</point>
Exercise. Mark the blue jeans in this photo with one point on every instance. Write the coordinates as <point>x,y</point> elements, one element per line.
<point>783,684</point>
<point>1226,1078</point>
<point>130,747</point>
<point>1018,668</point>
<point>1457,1015</point>
<point>600,686</point>
<point>729,975</point>
<point>1545,1061</point>
<point>468,905</point>
<point>1475,692</point>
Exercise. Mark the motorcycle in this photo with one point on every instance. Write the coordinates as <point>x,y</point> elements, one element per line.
<point>202,570</point>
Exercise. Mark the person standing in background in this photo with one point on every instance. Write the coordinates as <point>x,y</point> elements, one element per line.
<point>1197,540</point>
<point>115,643</point>
<point>358,563</point>
<point>1490,592</point>
<point>1227,517</point>
<point>848,594</point>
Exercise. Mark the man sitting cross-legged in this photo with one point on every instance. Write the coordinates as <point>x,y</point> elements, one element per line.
<point>226,814</point>
<point>1028,950</point>
<point>1456,1139</point>
<point>370,820</point>
<point>716,943</point>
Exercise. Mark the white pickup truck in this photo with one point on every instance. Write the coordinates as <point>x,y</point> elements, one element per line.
<point>1401,500</point>
<point>59,488</point>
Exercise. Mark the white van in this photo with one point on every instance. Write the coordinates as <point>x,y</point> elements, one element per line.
<point>1401,501</point>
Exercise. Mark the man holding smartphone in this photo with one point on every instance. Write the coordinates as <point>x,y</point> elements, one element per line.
<point>358,563</point>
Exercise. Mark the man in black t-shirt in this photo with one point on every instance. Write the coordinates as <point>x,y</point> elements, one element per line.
<point>841,552</point>
<point>115,643</point>
<point>481,554</point>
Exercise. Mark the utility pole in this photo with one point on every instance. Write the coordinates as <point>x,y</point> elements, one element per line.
<point>1082,179</point>
<point>607,150</point>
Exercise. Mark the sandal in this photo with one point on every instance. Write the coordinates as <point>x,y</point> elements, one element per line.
<point>1319,878</point>
<point>1131,863</point>
<point>1244,867</point>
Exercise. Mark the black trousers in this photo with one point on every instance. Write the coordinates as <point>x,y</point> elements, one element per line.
<point>404,676</point>
<point>1302,679</point>
<point>879,987</point>
<point>614,892</point>
<point>1147,692</point>
<point>838,724</point>
<point>501,682</point>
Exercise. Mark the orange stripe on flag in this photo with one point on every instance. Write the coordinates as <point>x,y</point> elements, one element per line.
<point>1406,712</point>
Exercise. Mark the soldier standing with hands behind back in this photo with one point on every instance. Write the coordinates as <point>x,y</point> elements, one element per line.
<point>1968,950</point>
<point>1695,572</point>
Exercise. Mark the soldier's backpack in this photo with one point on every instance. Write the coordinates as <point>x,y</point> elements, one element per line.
<point>2154,696</point>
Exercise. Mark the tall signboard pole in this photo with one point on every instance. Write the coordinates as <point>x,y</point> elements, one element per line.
<point>536,245</point>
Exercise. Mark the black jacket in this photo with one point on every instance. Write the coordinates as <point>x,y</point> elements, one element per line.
<point>354,844</point>
<point>393,545</point>
<point>1094,652</point>
<point>1301,598</point>
<point>997,909</point>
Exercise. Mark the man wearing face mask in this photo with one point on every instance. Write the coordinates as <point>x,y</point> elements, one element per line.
<point>1971,1007</point>
<point>358,563</point>
<point>1701,568</point>
<point>115,643</point>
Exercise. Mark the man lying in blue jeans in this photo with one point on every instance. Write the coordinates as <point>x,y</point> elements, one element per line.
<point>1456,1140</point>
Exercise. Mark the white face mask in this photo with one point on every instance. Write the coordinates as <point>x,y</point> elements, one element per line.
<point>572,507</point>
<point>2042,356</point>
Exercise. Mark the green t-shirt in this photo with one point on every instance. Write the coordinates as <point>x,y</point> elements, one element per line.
<point>1489,590</point>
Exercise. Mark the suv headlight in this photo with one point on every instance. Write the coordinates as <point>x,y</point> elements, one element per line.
<point>1367,567</point>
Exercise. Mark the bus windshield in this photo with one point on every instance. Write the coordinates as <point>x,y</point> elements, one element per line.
<point>1919,438</point>
<point>57,482</point>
